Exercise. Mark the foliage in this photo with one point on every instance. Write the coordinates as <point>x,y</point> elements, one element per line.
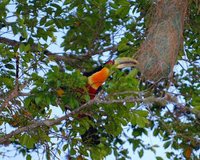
<point>46,46</point>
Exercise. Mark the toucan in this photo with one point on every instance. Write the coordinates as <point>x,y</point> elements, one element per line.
<point>95,79</point>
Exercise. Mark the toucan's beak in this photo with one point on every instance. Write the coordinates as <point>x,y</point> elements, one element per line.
<point>124,62</point>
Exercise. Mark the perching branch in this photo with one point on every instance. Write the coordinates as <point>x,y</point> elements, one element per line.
<point>50,122</point>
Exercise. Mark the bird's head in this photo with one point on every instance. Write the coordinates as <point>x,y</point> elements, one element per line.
<point>96,79</point>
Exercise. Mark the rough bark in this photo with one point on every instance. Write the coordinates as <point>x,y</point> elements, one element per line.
<point>158,53</point>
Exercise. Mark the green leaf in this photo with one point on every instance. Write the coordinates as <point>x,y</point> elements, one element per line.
<point>41,33</point>
<point>28,157</point>
<point>15,29</point>
<point>72,151</point>
<point>159,158</point>
<point>123,10</point>
<point>59,22</point>
<point>169,154</point>
<point>123,45</point>
<point>21,47</point>
<point>59,151</point>
<point>27,48</point>
<point>43,20</point>
<point>24,32</point>
<point>73,102</point>
<point>155,132</point>
<point>27,141</point>
<point>49,23</point>
<point>124,3</point>
<point>55,128</point>
<point>167,144</point>
<point>136,144</point>
<point>38,99</point>
<point>140,122</point>
<point>141,153</point>
<point>138,132</point>
<point>195,100</point>
<point>10,66</point>
<point>65,147</point>
<point>27,57</point>
<point>133,73</point>
<point>133,119</point>
<point>141,113</point>
<point>7,81</point>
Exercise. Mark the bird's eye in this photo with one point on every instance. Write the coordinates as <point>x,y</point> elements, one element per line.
<point>110,62</point>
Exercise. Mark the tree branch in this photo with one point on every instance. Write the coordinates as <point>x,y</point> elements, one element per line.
<point>34,48</point>
<point>50,122</point>
<point>47,122</point>
<point>57,56</point>
<point>14,93</point>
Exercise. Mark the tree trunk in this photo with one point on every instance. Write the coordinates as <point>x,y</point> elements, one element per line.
<point>158,53</point>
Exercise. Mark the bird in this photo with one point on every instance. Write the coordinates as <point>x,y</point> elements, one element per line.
<point>95,79</point>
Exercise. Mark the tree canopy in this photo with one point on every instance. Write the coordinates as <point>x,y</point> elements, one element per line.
<point>48,45</point>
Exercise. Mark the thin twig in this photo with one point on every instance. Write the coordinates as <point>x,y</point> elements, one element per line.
<point>17,72</point>
<point>13,94</point>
